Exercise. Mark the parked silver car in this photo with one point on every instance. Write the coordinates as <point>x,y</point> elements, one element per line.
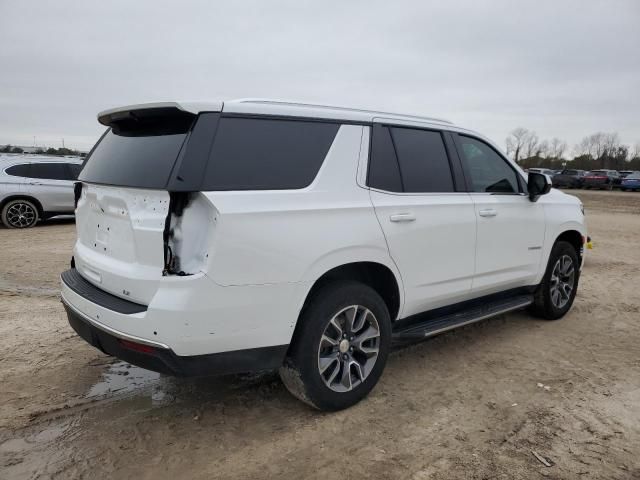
<point>36,188</point>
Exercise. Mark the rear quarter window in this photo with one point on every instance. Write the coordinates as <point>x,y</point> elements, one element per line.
<point>18,170</point>
<point>267,154</point>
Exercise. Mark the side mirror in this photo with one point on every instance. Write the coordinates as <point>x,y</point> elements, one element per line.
<point>538,184</point>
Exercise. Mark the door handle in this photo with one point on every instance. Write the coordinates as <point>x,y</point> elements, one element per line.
<point>402,217</point>
<point>488,212</point>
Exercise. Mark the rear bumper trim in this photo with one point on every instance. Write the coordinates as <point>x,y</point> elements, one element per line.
<point>76,282</point>
<point>164,360</point>
<point>111,331</point>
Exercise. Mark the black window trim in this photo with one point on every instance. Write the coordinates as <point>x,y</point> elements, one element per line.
<point>455,167</point>
<point>522,184</point>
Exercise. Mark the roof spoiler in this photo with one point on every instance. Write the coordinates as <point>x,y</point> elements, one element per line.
<point>115,116</point>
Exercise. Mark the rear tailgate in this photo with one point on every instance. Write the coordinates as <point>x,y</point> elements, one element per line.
<point>120,244</point>
<point>124,211</point>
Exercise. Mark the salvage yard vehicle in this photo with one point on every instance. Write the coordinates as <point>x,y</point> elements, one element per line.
<point>218,238</point>
<point>622,174</point>
<point>33,189</point>
<point>545,171</point>
<point>631,182</point>
<point>569,178</point>
<point>603,179</point>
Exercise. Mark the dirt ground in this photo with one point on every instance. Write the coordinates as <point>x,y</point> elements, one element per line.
<point>475,403</point>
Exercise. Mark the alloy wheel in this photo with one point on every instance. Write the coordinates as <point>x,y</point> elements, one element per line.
<point>562,281</point>
<point>21,215</point>
<point>349,348</point>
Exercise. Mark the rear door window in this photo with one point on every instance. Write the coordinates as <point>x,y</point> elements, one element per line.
<point>488,171</point>
<point>267,154</point>
<point>383,172</point>
<point>423,160</point>
<point>50,171</point>
<point>409,160</point>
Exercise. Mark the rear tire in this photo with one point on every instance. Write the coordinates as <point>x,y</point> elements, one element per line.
<point>555,294</point>
<point>19,213</point>
<point>339,348</point>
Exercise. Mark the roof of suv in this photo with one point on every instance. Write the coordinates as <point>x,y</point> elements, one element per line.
<point>273,107</point>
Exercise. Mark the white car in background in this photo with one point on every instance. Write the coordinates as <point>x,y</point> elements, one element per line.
<point>222,238</point>
<point>35,188</point>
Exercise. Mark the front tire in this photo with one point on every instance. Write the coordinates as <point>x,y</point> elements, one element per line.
<point>19,213</point>
<point>339,348</point>
<point>555,295</point>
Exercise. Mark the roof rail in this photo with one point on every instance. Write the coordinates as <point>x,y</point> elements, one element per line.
<point>332,107</point>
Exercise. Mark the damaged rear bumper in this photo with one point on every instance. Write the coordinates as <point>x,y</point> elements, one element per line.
<point>149,354</point>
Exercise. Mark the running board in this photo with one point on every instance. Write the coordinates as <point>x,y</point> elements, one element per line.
<point>439,324</point>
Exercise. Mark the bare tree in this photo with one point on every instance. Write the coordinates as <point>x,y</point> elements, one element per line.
<point>531,145</point>
<point>516,142</point>
<point>591,145</point>
<point>557,148</point>
<point>542,149</point>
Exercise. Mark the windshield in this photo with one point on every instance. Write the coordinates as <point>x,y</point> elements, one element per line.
<point>633,176</point>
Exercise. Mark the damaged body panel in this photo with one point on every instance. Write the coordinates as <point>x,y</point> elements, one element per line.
<point>120,239</point>
<point>188,230</point>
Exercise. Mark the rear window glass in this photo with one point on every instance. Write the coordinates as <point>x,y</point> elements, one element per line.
<point>570,172</point>
<point>266,154</point>
<point>143,161</point>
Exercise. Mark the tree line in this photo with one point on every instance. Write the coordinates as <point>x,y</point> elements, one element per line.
<point>42,151</point>
<point>597,151</point>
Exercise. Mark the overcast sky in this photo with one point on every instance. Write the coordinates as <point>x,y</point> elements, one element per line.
<point>564,69</point>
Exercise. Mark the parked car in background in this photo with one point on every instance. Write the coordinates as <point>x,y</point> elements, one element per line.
<point>33,188</point>
<point>546,171</point>
<point>631,182</point>
<point>603,179</point>
<point>569,178</point>
<point>617,183</point>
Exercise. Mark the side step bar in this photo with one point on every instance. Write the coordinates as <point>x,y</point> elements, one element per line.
<point>435,325</point>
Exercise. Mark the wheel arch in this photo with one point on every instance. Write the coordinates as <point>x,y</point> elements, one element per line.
<point>29,198</point>
<point>573,237</point>
<point>376,275</point>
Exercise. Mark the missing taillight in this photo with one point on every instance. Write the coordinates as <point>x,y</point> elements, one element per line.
<point>186,233</point>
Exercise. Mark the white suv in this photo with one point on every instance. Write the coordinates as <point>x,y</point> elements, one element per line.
<point>222,238</point>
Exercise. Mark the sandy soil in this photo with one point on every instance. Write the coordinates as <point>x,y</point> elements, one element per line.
<point>470,404</point>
